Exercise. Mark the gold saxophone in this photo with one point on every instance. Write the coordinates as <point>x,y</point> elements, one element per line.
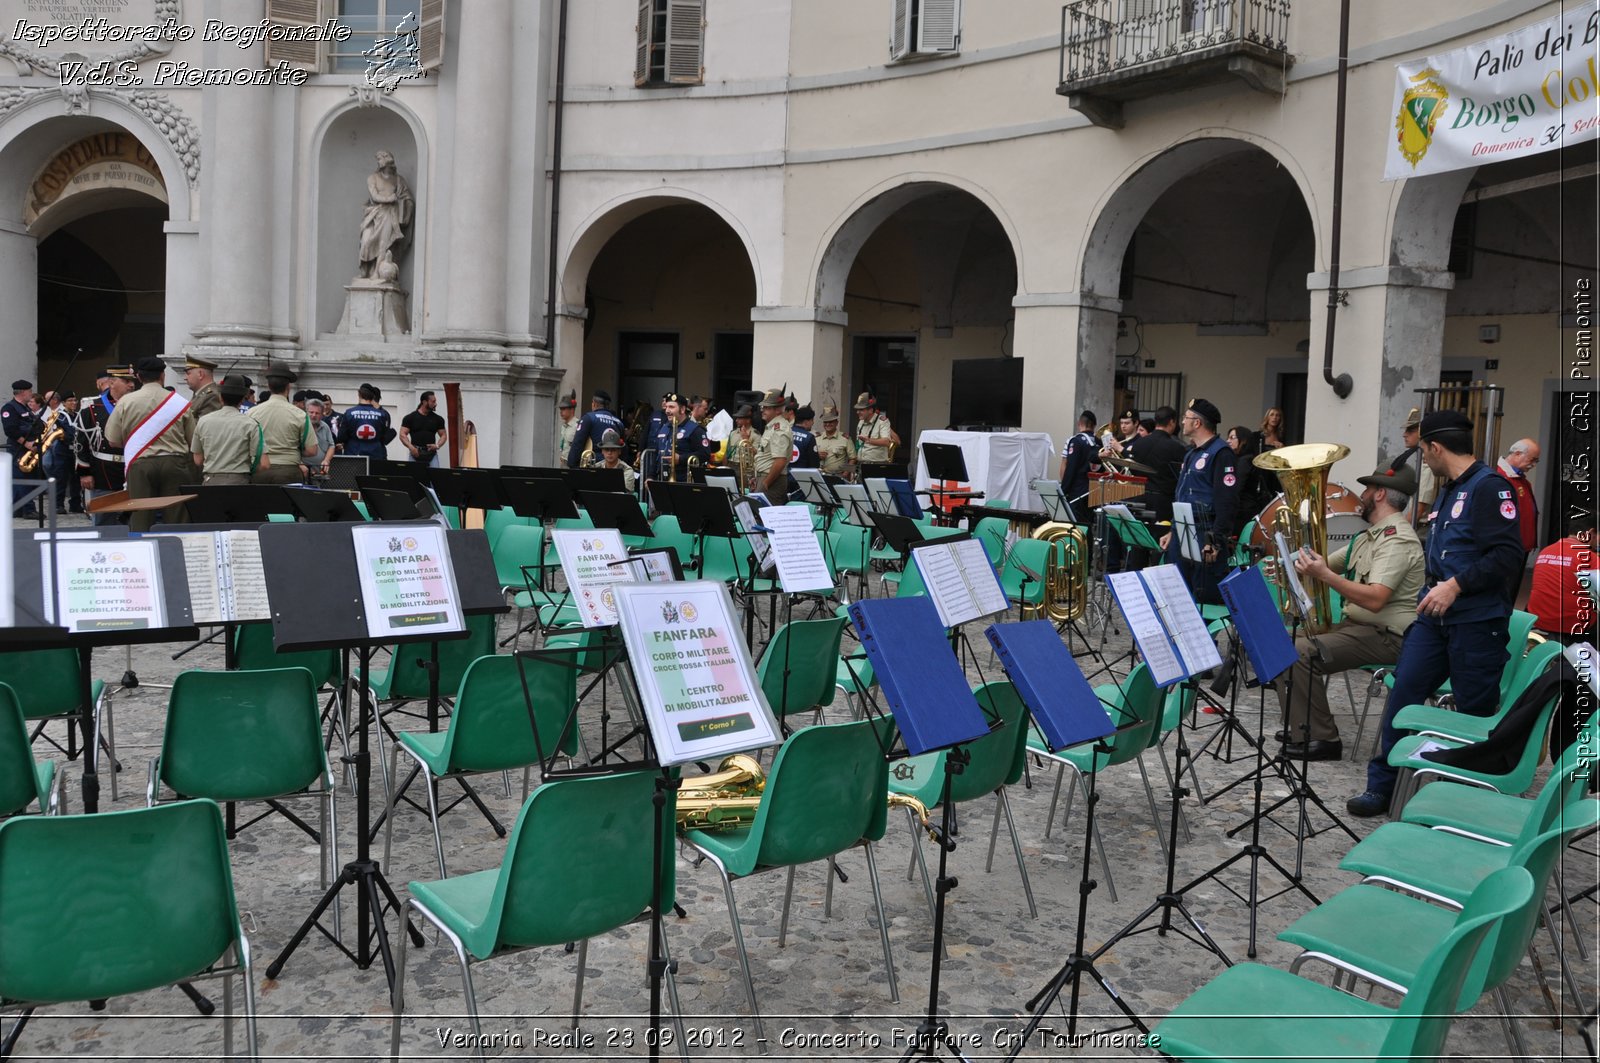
<point>1066,580</point>
<point>53,430</point>
<point>729,797</point>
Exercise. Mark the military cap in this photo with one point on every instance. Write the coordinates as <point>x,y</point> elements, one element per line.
<point>744,411</point>
<point>1207,410</point>
<point>864,400</point>
<point>773,397</point>
<point>148,366</point>
<point>235,384</point>
<point>1443,422</point>
<point>121,372</point>
<point>1403,479</point>
<point>830,413</point>
<point>602,396</point>
<point>192,362</point>
<point>22,385</point>
<point>281,374</point>
<point>609,440</point>
<point>1413,419</point>
<point>569,401</point>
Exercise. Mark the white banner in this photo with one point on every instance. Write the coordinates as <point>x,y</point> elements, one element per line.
<point>1523,93</point>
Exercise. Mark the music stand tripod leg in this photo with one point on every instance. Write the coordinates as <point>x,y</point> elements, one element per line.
<point>1078,964</point>
<point>933,1032</point>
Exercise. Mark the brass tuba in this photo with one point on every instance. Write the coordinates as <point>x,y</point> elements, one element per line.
<point>1302,472</point>
<point>1066,580</point>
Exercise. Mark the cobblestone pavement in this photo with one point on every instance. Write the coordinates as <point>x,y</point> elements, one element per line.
<point>824,994</point>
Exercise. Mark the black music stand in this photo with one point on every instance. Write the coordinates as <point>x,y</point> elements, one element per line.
<point>320,507</point>
<point>416,471</point>
<point>532,472</point>
<point>616,509</point>
<point>466,489</point>
<point>900,533</point>
<point>1068,713</point>
<point>595,478</point>
<point>344,470</point>
<point>545,499</point>
<point>885,470</point>
<point>239,504</point>
<point>412,489</point>
<point>315,592</point>
<point>28,592</point>
<point>390,505</point>
<point>946,462</point>
<point>933,710</point>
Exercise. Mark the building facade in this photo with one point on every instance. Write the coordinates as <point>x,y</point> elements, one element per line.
<point>984,213</point>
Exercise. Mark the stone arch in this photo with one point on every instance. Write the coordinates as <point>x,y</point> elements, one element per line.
<point>856,223</point>
<point>1424,218</point>
<point>605,221</point>
<point>44,124</point>
<point>332,216</point>
<point>1134,191</point>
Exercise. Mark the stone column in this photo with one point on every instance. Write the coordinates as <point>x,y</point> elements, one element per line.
<point>1390,339</point>
<point>1069,341</point>
<point>480,176</point>
<point>19,317</point>
<point>803,346</point>
<point>236,199</point>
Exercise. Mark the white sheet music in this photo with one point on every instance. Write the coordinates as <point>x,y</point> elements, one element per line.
<point>748,519</point>
<point>1148,631</point>
<point>857,505</point>
<point>247,580</point>
<point>1291,577</point>
<point>1183,526</point>
<point>960,581</point>
<point>1188,630</point>
<point>205,577</point>
<point>801,566</point>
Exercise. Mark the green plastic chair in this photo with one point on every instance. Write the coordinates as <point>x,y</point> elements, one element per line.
<point>24,780</point>
<point>516,546</point>
<point>496,521</point>
<point>1415,770</point>
<point>253,650</point>
<point>249,736</point>
<point>1491,816</point>
<point>991,532</point>
<point>1139,696</point>
<point>406,677</point>
<point>807,652</point>
<point>1251,1011</point>
<point>45,683</point>
<point>827,792</point>
<point>580,863</point>
<point>996,761</point>
<point>1022,574</point>
<point>1384,937</point>
<point>488,732</point>
<point>848,549</point>
<point>854,678</point>
<point>1432,720</point>
<point>99,906</point>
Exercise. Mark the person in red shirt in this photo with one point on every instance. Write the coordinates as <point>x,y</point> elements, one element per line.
<point>1562,607</point>
<point>1516,467</point>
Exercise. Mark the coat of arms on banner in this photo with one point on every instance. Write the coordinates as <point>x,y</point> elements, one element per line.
<point>1421,107</point>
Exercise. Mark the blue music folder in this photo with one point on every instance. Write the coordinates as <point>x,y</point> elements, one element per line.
<point>1063,705</point>
<point>1260,625</point>
<point>921,680</point>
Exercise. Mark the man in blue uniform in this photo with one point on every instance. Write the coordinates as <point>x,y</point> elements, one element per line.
<point>592,426</point>
<point>1474,550</point>
<point>21,427</point>
<point>1209,482</point>
<point>364,430</point>
<point>677,439</point>
<point>1079,456</point>
<point>805,440</point>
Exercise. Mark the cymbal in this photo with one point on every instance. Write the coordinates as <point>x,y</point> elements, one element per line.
<point>1128,464</point>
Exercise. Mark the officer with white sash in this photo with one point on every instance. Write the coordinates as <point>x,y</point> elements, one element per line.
<point>153,426</point>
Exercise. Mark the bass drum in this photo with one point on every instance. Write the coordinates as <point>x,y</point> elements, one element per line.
<point>1341,508</point>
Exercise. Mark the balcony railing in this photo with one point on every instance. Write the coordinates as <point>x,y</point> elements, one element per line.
<point>1116,50</point>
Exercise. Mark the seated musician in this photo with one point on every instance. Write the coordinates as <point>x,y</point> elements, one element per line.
<point>1379,577</point>
<point>611,458</point>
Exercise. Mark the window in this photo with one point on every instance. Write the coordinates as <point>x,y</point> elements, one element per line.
<point>925,28</point>
<point>671,43</point>
<point>395,30</point>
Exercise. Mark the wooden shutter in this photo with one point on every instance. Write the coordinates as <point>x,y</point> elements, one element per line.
<point>641,57</point>
<point>298,55</point>
<point>685,41</point>
<point>939,26</point>
<point>900,30</point>
<point>430,39</point>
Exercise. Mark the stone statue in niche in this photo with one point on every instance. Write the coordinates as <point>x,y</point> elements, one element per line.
<point>386,222</point>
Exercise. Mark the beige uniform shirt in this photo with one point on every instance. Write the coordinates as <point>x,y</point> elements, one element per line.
<point>569,429</point>
<point>207,400</point>
<point>134,408</point>
<point>285,428</point>
<point>833,453</point>
<point>1388,554</point>
<point>877,427</point>
<point>228,441</point>
<point>777,443</point>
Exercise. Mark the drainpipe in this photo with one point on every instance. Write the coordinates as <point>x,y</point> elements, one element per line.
<point>555,173</point>
<point>1341,385</point>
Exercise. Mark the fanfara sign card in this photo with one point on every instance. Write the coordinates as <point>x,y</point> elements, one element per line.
<point>407,584</point>
<point>105,585</point>
<point>697,687</point>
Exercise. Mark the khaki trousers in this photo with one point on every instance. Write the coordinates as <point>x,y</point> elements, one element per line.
<point>286,473</point>
<point>226,479</point>
<point>157,476</point>
<point>1349,645</point>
